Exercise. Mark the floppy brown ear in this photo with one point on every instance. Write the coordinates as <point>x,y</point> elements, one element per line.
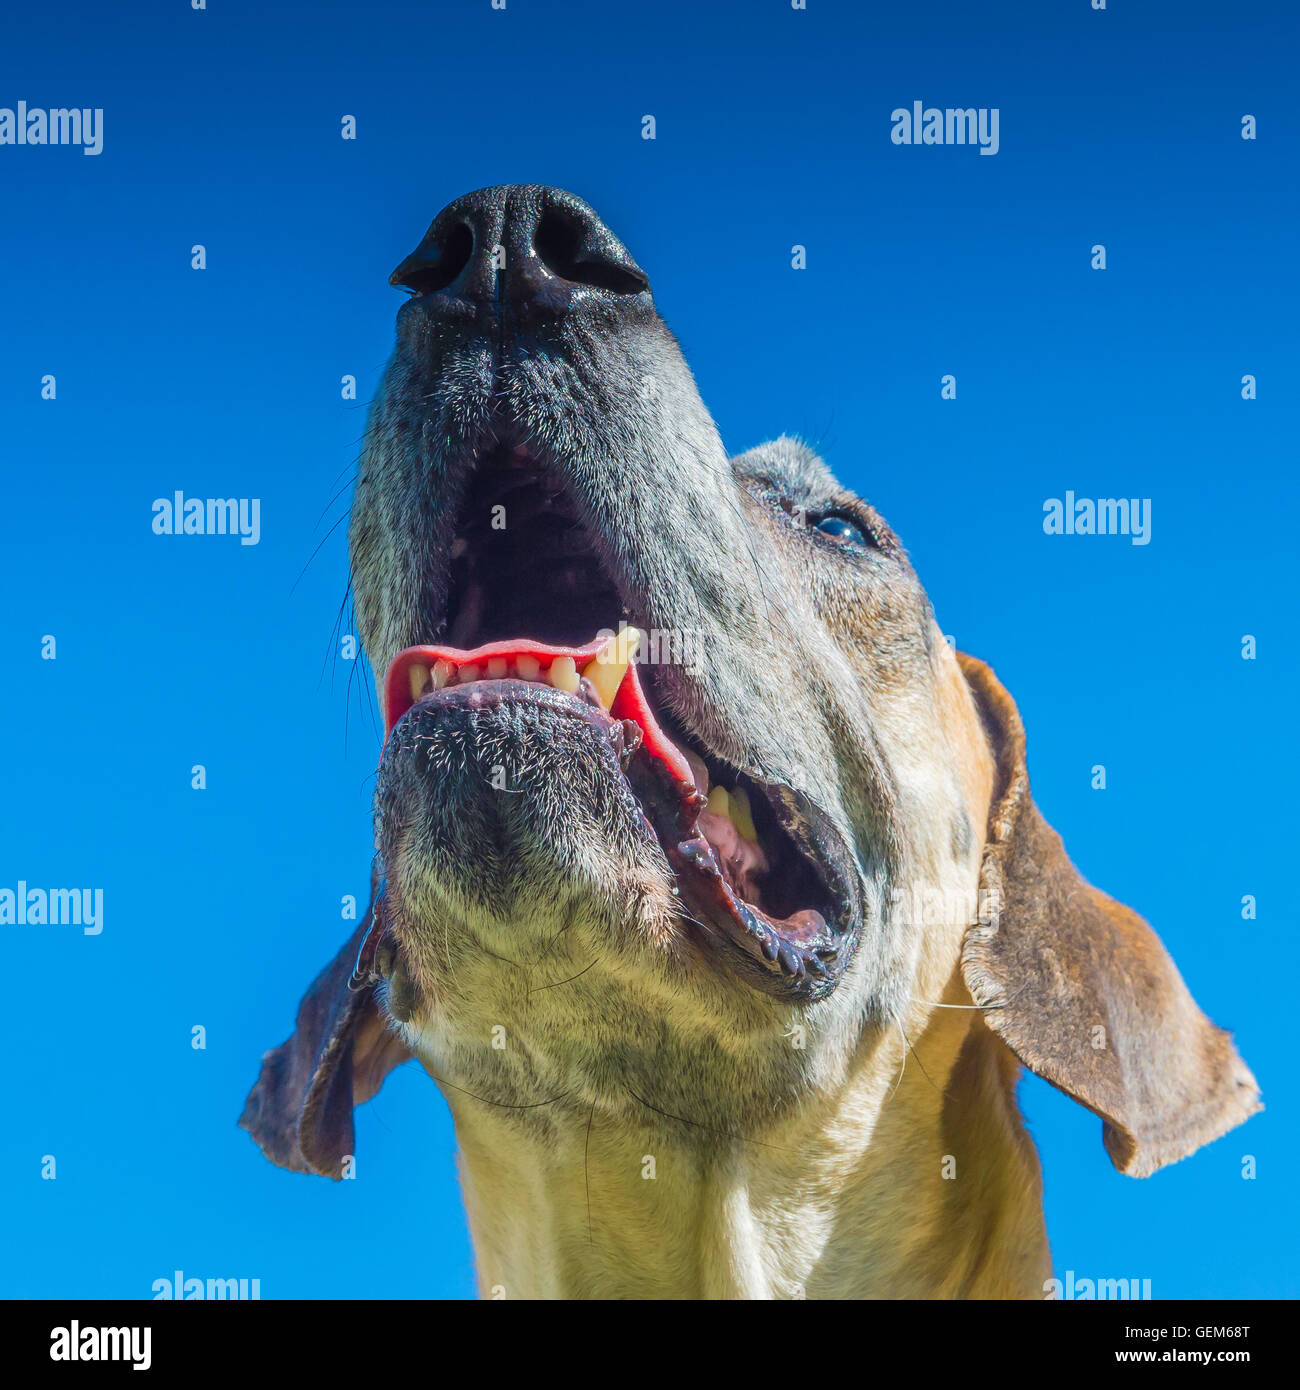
<point>300,1110</point>
<point>1079,986</point>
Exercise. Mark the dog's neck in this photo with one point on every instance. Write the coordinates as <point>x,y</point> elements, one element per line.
<point>916,1179</point>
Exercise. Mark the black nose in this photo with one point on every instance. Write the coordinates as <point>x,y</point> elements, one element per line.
<point>524,247</point>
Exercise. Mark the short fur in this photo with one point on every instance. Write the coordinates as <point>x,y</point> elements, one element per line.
<point>634,1118</point>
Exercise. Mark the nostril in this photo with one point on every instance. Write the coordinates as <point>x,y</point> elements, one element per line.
<point>431,272</point>
<point>567,247</point>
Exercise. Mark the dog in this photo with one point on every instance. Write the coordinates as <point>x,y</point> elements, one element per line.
<point>708,885</point>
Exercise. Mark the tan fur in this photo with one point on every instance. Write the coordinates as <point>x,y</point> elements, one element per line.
<point>845,1198</point>
<point>643,1109</point>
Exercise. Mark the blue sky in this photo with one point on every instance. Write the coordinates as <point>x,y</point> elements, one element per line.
<point>221,128</point>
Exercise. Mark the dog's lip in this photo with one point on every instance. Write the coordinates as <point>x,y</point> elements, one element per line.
<point>629,702</point>
<point>623,734</point>
<point>799,956</point>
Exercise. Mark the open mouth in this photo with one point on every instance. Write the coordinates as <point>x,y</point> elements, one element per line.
<point>757,866</point>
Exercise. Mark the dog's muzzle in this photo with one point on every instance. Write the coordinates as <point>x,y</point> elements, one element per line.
<point>522,606</point>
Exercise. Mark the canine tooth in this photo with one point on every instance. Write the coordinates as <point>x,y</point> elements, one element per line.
<point>564,675</point>
<point>442,672</point>
<point>630,638</point>
<point>719,802</point>
<point>741,814</point>
<point>528,667</point>
<point>468,673</point>
<point>605,678</point>
<point>419,680</point>
<point>496,667</point>
<point>607,669</point>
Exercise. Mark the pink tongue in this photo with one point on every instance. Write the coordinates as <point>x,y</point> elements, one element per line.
<point>743,860</point>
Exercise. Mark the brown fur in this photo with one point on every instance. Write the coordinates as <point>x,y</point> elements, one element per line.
<point>881,1156</point>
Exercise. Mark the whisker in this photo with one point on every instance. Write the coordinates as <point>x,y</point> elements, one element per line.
<point>350,482</point>
<point>903,1068</point>
<point>912,1050</point>
<point>500,1104</point>
<point>317,551</point>
<point>558,983</point>
<point>550,945</point>
<point>934,1004</point>
<point>695,1124</point>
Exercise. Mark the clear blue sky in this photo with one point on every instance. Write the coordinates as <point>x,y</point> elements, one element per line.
<point>222,129</point>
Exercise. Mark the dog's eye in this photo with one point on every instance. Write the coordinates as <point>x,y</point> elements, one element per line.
<point>840,528</point>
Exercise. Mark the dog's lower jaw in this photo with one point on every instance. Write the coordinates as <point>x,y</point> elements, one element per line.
<point>915,1179</point>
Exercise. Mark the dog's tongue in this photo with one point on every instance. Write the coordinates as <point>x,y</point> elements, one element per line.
<point>606,661</point>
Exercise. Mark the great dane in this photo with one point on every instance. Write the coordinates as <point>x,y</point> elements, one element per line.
<point>708,885</point>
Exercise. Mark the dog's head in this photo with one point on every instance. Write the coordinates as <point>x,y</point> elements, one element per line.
<point>679,766</point>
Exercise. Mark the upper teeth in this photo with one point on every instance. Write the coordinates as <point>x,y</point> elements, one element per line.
<point>605,670</point>
<point>563,675</point>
